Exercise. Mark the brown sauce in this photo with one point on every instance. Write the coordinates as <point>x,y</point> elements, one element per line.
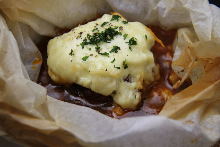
<point>154,96</point>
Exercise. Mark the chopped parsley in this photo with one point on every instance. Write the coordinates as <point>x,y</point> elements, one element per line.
<point>113,60</point>
<point>115,17</point>
<point>146,36</point>
<point>83,44</point>
<point>124,22</point>
<point>85,58</point>
<point>120,28</point>
<point>105,36</point>
<point>95,29</point>
<point>115,27</point>
<point>104,23</point>
<point>115,49</point>
<point>116,67</point>
<point>97,48</point>
<point>131,42</point>
<point>71,53</point>
<point>104,54</point>
<point>125,65</point>
<point>125,36</point>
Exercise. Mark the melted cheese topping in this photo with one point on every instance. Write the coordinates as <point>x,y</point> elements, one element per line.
<point>109,56</point>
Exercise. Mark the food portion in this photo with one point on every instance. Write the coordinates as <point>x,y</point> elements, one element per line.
<point>87,69</point>
<point>110,56</point>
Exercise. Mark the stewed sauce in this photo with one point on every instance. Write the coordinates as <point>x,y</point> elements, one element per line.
<point>154,96</point>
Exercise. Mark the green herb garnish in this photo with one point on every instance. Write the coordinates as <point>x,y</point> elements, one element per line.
<point>104,54</point>
<point>95,29</point>
<point>125,65</point>
<point>104,23</point>
<point>115,17</point>
<point>71,53</point>
<point>120,28</point>
<point>116,67</point>
<point>85,58</point>
<point>125,36</point>
<point>97,48</point>
<point>124,22</point>
<point>146,36</point>
<point>113,60</point>
<point>105,36</point>
<point>82,44</point>
<point>115,49</point>
<point>131,42</point>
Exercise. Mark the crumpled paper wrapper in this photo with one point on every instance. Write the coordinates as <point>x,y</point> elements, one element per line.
<point>28,115</point>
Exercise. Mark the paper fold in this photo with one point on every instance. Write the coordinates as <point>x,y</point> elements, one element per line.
<point>189,118</point>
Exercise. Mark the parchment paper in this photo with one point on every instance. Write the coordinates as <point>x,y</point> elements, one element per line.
<point>28,115</point>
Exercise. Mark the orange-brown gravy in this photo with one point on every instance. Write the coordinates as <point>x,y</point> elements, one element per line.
<point>154,96</point>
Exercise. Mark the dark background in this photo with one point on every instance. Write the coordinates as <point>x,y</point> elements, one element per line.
<point>216,2</point>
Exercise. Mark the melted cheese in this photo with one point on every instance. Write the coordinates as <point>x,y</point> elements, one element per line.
<point>71,62</point>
